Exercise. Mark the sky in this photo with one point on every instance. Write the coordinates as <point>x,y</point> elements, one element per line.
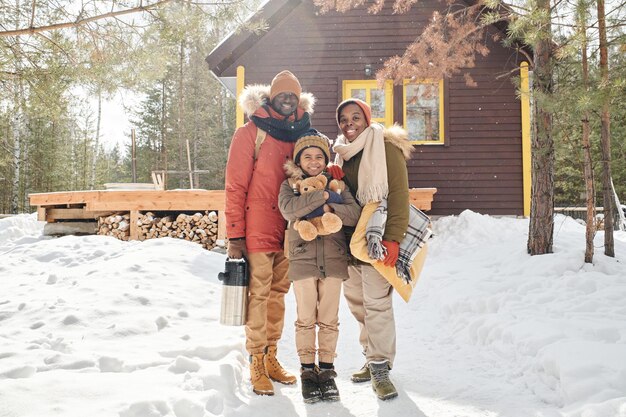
<point>116,127</point>
<point>94,326</point>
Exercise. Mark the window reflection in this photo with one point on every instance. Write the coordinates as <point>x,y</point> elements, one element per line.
<point>359,93</point>
<point>377,103</point>
<point>422,111</point>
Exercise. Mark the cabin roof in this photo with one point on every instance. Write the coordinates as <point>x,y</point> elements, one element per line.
<point>238,42</point>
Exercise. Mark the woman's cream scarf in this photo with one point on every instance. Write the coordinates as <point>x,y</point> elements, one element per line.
<point>372,182</point>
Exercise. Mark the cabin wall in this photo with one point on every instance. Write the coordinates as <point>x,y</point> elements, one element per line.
<point>480,165</point>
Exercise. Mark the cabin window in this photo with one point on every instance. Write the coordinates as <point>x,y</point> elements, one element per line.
<point>379,99</point>
<point>423,111</point>
<point>422,106</point>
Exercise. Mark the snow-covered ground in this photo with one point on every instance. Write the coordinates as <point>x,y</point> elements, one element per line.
<point>93,326</point>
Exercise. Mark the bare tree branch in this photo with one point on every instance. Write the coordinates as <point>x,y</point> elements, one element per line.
<point>82,21</point>
<point>32,14</point>
<point>59,47</point>
<point>199,3</point>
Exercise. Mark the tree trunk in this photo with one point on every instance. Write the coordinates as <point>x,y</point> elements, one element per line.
<point>83,174</point>
<point>18,96</point>
<point>181,106</point>
<point>17,129</point>
<point>25,173</point>
<point>589,190</point>
<point>223,99</point>
<point>96,142</point>
<point>164,147</point>
<point>586,144</point>
<point>620,212</point>
<point>605,135</point>
<point>196,176</point>
<point>541,225</point>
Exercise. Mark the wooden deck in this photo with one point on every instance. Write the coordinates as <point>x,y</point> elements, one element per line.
<point>89,205</point>
<point>422,198</point>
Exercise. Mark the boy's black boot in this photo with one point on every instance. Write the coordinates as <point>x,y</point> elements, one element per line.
<point>311,392</point>
<point>326,378</point>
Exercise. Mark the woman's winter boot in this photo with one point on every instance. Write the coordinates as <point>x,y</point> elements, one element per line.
<point>311,392</point>
<point>274,370</point>
<point>261,384</point>
<point>381,384</point>
<point>326,380</point>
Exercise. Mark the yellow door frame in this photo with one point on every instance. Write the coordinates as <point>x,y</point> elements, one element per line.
<point>526,155</point>
<point>241,78</point>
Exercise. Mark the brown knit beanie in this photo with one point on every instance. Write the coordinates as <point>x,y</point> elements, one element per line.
<point>285,82</point>
<point>311,138</point>
<point>367,110</point>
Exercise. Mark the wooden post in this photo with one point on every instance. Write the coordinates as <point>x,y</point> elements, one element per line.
<point>221,225</point>
<point>133,155</point>
<point>41,214</point>
<point>134,229</point>
<point>189,166</point>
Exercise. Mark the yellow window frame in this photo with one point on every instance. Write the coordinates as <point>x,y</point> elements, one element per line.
<point>368,86</point>
<point>417,141</point>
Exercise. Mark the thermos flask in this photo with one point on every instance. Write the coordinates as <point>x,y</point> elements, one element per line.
<point>234,292</point>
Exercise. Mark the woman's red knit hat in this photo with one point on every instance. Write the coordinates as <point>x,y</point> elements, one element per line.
<point>367,110</point>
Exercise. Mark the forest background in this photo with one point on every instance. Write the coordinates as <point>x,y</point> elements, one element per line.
<point>51,134</point>
<point>50,129</point>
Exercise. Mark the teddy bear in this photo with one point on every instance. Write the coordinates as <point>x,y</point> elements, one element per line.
<point>326,224</point>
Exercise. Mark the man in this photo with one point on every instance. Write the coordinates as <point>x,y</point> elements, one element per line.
<point>278,115</point>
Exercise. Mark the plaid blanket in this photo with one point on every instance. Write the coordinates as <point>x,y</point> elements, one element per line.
<point>416,236</point>
<point>374,231</point>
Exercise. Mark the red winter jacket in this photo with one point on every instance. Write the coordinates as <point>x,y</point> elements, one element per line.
<point>252,186</point>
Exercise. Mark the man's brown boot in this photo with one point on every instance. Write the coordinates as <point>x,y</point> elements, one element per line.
<point>274,370</point>
<point>261,384</point>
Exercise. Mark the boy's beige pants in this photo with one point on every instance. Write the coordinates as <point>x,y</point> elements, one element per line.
<point>266,301</point>
<point>369,298</point>
<point>317,303</point>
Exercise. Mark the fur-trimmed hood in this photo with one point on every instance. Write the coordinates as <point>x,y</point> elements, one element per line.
<point>293,171</point>
<point>254,96</point>
<point>399,137</point>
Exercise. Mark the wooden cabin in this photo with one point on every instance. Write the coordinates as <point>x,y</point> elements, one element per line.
<point>472,143</point>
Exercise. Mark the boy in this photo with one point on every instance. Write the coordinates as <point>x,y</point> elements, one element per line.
<point>317,267</point>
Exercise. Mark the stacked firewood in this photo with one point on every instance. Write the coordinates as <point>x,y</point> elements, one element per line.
<point>116,225</point>
<point>200,228</point>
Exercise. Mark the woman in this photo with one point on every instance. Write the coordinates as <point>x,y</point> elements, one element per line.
<point>373,159</point>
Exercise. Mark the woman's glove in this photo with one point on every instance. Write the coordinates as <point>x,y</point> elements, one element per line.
<point>237,248</point>
<point>335,171</point>
<point>391,257</point>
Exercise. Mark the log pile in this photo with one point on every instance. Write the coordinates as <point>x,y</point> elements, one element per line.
<point>116,225</point>
<point>200,228</point>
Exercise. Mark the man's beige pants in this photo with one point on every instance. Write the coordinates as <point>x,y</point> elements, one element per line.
<point>266,301</point>
<point>317,303</point>
<point>369,298</point>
